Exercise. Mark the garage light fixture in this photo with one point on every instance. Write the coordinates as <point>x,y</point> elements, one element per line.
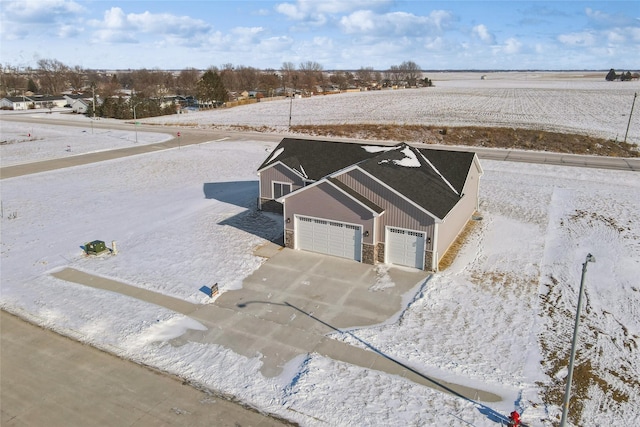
<point>288,220</point>
<point>366,234</point>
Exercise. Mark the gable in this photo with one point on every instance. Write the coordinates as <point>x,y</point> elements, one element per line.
<point>315,159</point>
<point>409,172</point>
<point>432,180</point>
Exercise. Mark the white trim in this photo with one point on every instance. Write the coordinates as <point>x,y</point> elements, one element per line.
<point>281,183</point>
<point>435,261</point>
<point>324,180</point>
<point>438,172</point>
<point>422,250</point>
<point>358,227</point>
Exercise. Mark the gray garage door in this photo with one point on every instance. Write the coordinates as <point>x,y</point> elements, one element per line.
<point>405,247</point>
<point>329,237</point>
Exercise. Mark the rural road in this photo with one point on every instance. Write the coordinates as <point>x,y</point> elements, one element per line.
<point>190,136</point>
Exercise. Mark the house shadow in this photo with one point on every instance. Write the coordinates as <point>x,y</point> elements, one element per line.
<point>266,225</point>
<point>238,193</point>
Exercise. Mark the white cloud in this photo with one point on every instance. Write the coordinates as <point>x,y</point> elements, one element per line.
<point>583,38</point>
<point>247,35</point>
<point>482,32</point>
<point>312,10</point>
<point>66,31</point>
<point>55,18</point>
<point>512,45</point>
<point>118,27</point>
<point>395,23</point>
<point>40,11</point>
<point>291,11</point>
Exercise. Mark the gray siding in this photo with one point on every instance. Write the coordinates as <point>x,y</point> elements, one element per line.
<point>398,211</point>
<point>279,173</point>
<point>326,201</point>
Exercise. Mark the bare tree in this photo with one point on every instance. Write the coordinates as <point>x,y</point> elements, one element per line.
<point>228,76</point>
<point>394,75</point>
<point>53,76</point>
<point>411,72</point>
<point>187,81</point>
<point>148,83</point>
<point>311,75</point>
<point>76,77</point>
<point>365,75</point>
<point>247,78</point>
<point>269,82</point>
<point>288,71</point>
<point>12,82</point>
<point>109,88</point>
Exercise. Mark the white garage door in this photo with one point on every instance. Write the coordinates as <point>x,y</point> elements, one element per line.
<point>329,237</point>
<point>405,247</point>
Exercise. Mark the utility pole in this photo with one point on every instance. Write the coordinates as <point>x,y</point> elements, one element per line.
<point>567,392</point>
<point>290,108</point>
<point>630,114</point>
<point>93,90</point>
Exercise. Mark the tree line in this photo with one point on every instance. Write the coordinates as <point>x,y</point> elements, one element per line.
<point>612,75</point>
<point>139,93</point>
<point>52,77</point>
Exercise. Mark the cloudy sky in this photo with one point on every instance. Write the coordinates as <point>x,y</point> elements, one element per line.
<point>338,34</point>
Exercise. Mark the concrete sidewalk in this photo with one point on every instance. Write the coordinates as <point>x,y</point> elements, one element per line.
<point>289,305</point>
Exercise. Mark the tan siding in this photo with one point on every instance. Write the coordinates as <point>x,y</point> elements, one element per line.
<point>397,211</point>
<point>455,221</point>
<point>278,173</point>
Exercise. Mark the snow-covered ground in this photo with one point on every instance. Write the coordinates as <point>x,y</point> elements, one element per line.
<point>23,142</point>
<point>545,101</point>
<point>501,315</point>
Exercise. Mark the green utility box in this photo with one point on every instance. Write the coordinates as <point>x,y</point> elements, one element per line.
<point>96,247</point>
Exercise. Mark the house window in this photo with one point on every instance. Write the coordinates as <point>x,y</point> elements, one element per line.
<point>280,189</point>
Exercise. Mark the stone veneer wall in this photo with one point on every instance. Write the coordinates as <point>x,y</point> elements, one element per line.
<point>289,239</point>
<point>368,253</point>
<point>380,253</point>
<point>428,258</point>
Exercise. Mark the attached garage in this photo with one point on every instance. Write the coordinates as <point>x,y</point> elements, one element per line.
<point>405,247</point>
<point>329,237</point>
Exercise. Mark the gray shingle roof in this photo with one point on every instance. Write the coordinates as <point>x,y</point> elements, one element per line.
<point>414,173</point>
<point>317,159</point>
<point>433,179</point>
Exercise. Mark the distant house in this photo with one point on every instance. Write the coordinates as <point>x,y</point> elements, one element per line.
<point>47,101</point>
<point>80,106</point>
<point>370,203</point>
<point>15,103</point>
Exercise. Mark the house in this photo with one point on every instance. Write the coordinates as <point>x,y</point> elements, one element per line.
<point>370,203</point>
<point>80,106</point>
<point>15,103</point>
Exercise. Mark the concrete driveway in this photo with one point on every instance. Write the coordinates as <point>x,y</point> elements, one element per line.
<point>288,306</point>
<point>292,301</point>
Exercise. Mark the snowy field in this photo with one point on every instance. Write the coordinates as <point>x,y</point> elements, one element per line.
<point>500,316</point>
<point>24,142</point>
<point>546,101</point>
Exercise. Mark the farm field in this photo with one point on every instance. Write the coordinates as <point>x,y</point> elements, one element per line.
<point>563,102</point>
<point>500,316</point>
